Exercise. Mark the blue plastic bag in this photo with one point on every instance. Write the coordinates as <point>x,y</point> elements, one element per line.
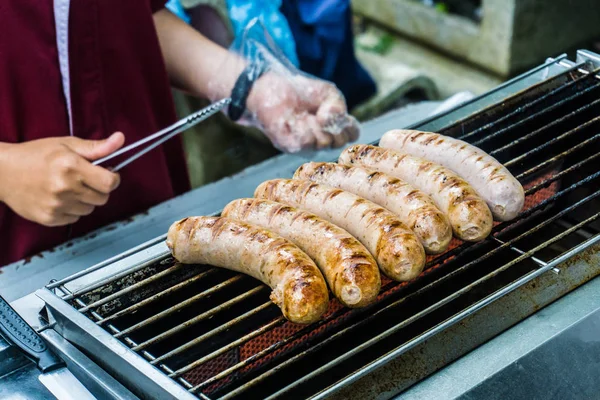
<point>325,45</point>
<point>176,8</point>
<point>241,12</point>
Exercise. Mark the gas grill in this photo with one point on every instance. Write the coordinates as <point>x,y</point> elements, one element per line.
<point>165,330</point>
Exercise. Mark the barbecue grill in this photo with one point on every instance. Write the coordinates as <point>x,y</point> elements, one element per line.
<point>165,330</point>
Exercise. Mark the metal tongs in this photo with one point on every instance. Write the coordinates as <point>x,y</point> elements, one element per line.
<point>165,134</point>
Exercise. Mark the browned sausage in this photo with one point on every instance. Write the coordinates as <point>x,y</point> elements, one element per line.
<point>298,286</point>
<point>396,249</point>
<point>413,207</point>
<point>348,267</point>
<point>468,213</point>
<point>498,187</point>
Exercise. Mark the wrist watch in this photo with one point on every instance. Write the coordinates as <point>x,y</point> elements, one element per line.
<point>243,85</point>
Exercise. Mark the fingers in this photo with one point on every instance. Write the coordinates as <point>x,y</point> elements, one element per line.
<point>315,116</point>
<point>308,125</point>
<point>345,130</point>
<point>92,197</point>
<point>58,220</point>
<point>73,207</point>
<point>96,149</point>
<point>304,131</point>
<point>333,116</point>
<point>301,135</point>
<point>339,140</point>
<point>332,105</point>
<point>77,209</point>
<point>352,129</point>
<point>290,133</point>
<point>61,220</point>
<point>97,178</point>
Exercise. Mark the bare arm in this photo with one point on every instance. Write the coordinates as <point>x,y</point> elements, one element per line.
<point>295,111</point>
<point>194,63</point>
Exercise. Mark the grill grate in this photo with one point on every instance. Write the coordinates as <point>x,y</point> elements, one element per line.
<point>218,335</point>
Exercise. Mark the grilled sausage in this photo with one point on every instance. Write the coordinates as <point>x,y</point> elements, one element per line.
<point>397,250</point>
<point>298,286</point>
<point>348,267</point>
<point>499,188</point>
<point>468,213</point>
<point>414,208</point>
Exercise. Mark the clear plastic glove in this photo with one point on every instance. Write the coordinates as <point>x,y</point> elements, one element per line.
<point>294,110</point>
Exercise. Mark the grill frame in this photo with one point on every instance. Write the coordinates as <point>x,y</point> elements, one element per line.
<point>137,262</point>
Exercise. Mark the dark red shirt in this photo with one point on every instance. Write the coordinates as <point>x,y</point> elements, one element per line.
<point>118,83</point>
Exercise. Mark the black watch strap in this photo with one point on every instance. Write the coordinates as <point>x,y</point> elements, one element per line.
<point>242,87</point>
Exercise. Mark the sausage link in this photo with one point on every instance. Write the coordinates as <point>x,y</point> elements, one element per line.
<point>348,267</point>
<point>414,208</point>
<point>397,250</point>
<point>499,188</point>
<point>299,288</point>
<point>467,212</point>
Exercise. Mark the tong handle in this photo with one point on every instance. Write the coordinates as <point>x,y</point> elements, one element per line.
<point>18,332</point>
<point>165,134</point>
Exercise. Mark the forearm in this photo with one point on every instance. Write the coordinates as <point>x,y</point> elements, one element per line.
<point>193,62</point>
<point>4,151</point>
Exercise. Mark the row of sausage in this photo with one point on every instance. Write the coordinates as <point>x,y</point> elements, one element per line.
<point>338,225</point>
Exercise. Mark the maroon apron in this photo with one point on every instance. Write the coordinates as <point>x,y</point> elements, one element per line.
<point>86,68</point>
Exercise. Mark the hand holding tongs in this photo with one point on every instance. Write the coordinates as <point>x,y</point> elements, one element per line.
<point>165,134</point>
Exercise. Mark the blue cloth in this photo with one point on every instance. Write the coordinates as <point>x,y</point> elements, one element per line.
<point>176,8</point>
<point>325,45</point>
<point>241,12</point>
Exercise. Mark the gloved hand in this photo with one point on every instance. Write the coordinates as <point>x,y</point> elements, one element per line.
<point>294,110</point>
<point>298,112</point>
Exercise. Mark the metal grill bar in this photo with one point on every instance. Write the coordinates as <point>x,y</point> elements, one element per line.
<point>526,213</point>
<point>474,308</point>
<point>395,328</point>
<point>522,216</point>
<point>179,306</point>
<point>569,69</point>
<point>544,128</point>
<point>538,115</point>
<point>550,142</point>
<point>465,267</point>
<point>110,279</point>
<point>198,318</point>
<point>273,347</point>
<point>216,331</point>
<point>128,289</point>
<point>55,284</point>
<point>157,296</point>
<point>534,259</point>
<point>559,175</point>
<point>558,157</point>
<point>527,106</point>
<point>132,343</point>
<point>230,346</point>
